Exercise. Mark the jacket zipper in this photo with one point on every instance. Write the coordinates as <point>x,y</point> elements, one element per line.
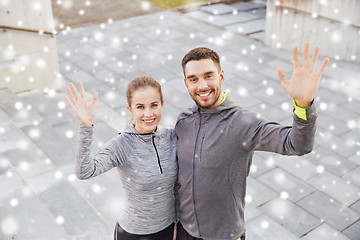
<point>157,154</point>
<point>201,146</point>
<point>197,136</point>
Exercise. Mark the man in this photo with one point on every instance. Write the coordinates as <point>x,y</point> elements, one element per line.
<point>217,139</point>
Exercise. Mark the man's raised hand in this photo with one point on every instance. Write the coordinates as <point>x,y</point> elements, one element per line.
<point>304,82</point>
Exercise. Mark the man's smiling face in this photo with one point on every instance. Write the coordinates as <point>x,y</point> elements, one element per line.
<point>203,80</point>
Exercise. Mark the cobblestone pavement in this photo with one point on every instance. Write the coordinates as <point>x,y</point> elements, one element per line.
<point>310,197</point>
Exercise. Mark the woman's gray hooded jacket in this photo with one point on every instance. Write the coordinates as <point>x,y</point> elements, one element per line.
<point>148,170</point>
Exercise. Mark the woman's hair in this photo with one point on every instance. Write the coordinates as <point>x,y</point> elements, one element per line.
<point>142,82</point>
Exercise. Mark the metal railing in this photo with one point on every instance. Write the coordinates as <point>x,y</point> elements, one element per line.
<point>40,32</point>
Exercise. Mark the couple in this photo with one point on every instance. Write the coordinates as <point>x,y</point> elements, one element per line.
<point>201,166</point>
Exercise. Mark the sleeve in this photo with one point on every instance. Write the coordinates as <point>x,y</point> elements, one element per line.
<point>88,165</point>
<point>299,111</point>
<point>297,139</point>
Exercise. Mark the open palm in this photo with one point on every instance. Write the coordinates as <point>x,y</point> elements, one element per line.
<point>83,110</point>
<point>304,82</point>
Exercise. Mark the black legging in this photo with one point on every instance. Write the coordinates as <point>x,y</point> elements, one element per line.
<point>166,234</point>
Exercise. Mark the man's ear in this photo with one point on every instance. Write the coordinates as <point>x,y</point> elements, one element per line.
<point>222,76</point>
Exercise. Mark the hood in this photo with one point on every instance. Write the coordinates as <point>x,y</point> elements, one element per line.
<point>130,129</point>
<point>226,105</point>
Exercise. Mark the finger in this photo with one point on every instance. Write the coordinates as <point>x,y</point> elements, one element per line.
<point>81,89</point>
<point>323,66</point>
<point>71,95</point>
<point>281,76</point>
<point>73,89</point>
<point>68,102</point>
<point>296,57</point>
<point>71,105</point>
<point>95,98</point>
<point>314,58</point>
<point>306,55</point>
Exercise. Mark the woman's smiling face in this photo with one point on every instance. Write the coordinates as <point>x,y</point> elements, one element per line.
<point>146,109</point>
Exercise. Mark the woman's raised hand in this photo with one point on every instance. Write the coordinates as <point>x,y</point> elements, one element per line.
<point>83,110</point>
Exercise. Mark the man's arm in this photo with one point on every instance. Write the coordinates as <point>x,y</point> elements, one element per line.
<point>297,139</point>
<point>302,87</point>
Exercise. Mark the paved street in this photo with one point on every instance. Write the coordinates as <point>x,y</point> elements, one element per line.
<point>313,197</point>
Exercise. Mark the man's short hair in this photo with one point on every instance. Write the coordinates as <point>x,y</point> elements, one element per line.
<point>200,53</point>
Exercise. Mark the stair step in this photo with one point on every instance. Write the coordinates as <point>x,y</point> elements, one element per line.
<point>46,107</point>
<point>57,147</point>
<point>19,111</point>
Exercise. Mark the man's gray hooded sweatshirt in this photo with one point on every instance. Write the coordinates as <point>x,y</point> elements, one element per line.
<point>215,149</point>
<point>148,170</point>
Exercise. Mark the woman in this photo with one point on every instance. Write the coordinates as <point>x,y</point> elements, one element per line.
<point>144,155</point>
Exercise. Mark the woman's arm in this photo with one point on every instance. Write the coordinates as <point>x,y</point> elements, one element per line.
<point>87,165</point>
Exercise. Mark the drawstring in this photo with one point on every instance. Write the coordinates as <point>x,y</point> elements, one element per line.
<point>157,154</point>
